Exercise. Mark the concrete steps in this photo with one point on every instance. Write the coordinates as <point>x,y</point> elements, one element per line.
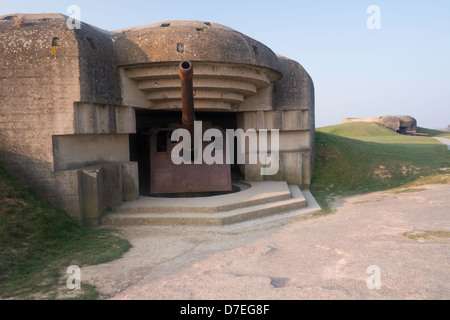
<point>260,199</point>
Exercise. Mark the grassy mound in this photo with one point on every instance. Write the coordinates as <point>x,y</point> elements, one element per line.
<point>357,158</point>
<point>434,133</point>
<point>358,130</point>
<point>38,242</point>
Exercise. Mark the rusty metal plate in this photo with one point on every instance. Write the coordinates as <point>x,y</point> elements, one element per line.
<point>167,177</point>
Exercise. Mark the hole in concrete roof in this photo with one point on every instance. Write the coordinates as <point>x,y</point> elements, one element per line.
<point>165,25</point>
<point>55,42</point>
<point>255,50</point>
<point>180,47</point>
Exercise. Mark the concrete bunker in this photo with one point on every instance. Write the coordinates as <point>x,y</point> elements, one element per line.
<point>79,107</point>
<point>401,124</point>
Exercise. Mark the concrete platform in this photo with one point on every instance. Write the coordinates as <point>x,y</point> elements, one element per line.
<point>255,200</point>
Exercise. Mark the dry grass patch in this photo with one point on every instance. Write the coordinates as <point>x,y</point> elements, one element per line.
<point>426,235</point>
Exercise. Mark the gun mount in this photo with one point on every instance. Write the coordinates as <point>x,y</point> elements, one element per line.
<point>169,178</point>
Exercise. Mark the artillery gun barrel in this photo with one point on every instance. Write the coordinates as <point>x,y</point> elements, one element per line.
<point>186,71</point>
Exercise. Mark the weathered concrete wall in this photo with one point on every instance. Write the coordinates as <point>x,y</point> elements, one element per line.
<point>39,80</point>
<point>229,66</point>
<point>289,108</point>
<point>295,136</point>
<point>59,92</point>
<point>77,151</point>
<point>99,75</point>
<point>102,187</point>
<point>295,91</point>
<point>176,40</point>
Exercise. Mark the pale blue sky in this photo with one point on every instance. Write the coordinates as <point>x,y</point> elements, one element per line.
<point>403,68</point>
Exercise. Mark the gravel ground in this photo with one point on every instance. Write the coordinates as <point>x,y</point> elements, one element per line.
<point>358,252</point>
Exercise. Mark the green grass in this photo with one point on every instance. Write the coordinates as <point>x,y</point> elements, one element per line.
<point>38,242</point>
<point>357,158</point>
<point>434,133</point>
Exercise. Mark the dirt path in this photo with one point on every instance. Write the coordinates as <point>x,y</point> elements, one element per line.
<point>444,141</point>
<point>318,258</point>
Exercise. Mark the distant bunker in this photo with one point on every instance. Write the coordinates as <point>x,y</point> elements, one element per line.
<point>400,124</point>
<point>86,113</point>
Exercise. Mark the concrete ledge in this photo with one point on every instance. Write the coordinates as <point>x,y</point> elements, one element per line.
<point>257,193</point>
<point>202,219</point>
<point>266,209</point>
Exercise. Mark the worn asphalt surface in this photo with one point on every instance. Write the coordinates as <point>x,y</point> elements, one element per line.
<point>358,252</point>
